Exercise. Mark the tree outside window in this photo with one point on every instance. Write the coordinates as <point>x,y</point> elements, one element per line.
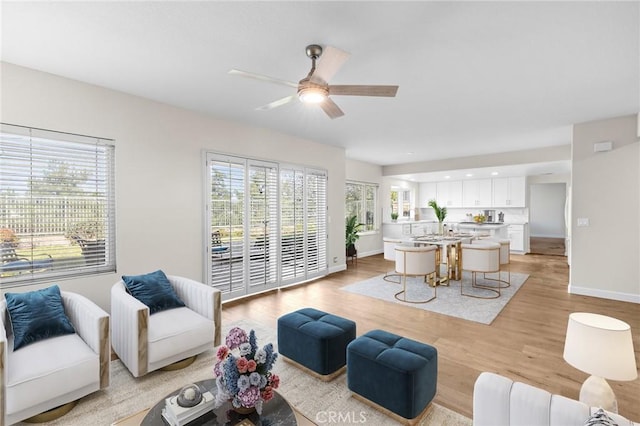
<point>361,200</point>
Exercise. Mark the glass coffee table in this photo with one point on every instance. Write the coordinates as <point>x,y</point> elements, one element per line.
<point>275,412</point>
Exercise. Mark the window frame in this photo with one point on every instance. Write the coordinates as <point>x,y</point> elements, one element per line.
<point>362,214</point>
<point>43,209</point>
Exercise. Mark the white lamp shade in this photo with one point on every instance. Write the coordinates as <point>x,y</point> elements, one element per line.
<point>601,346</point>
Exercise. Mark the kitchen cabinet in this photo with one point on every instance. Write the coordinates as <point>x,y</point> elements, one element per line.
<point>509,192</point>
<point>519,238</point>
<point>476,193</point>
<point>427,191</point>
<point>449,193</point>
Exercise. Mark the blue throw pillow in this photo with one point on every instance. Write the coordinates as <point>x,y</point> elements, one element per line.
<point>154,290</point>
<point>37,315</point>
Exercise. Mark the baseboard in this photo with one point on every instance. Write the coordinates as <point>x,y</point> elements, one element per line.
<point>604,294</point>
<point>338,268</point>
<point>547,236</point>
<point>370,253</point>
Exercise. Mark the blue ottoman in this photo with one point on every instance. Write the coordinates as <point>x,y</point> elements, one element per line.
<point>395,373</point>
<point>316,341</point>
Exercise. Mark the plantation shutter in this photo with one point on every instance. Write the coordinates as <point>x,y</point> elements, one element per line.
<point>292,224</point>
<point>316,222</point>
<point>227,261</point>
<point>57,205</point>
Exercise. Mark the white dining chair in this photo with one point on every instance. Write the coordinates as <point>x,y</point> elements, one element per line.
<point>481,256</point>
<point>415,262</point>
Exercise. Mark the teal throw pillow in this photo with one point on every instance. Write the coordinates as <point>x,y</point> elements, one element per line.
<point>37,315</point>
<point>154,290</point>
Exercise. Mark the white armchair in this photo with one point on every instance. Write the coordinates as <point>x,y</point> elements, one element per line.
<point>57,370</point>
<point>147,342</point>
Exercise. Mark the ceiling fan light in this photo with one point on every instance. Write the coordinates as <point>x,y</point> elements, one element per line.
<point>312,95</point>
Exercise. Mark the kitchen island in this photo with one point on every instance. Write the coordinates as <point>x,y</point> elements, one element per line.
<point>494,229</point>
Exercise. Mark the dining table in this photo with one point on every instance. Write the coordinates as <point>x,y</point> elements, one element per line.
<point>449,253</point>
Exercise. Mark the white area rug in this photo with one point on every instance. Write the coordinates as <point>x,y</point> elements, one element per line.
<point>449,301</point>
<point>317,400</point>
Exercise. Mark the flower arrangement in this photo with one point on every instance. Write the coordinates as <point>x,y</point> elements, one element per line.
<point>243,371</point>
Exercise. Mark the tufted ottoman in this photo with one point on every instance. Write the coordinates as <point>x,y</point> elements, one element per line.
<point>315,341</point>
<point>395,373</point>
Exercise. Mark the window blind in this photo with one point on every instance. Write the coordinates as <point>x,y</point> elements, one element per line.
<point>57,205</point>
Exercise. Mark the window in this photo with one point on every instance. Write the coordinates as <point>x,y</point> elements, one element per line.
<point>268,224</point>
<point>406,203</point>
<point>57,205</point>
<point>360,200</point>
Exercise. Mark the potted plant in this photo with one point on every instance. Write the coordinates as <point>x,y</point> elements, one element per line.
<point>394,216</point>
<point>441,213</point>
<point>351,234</point>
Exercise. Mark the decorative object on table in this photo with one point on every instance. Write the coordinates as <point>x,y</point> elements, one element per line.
<point>394,216</point>
<point>479,218</point>
<point>352,227</point>
<point>441,213</point>
<point>189,404</point>
<point>243,372</point>
<point>603,347</point>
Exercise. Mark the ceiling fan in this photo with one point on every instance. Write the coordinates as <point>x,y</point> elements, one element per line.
<point>314,88</point>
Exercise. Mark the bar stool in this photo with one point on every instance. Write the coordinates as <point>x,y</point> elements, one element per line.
<point>482,256</point>
<point>505,261</point>
<point>415,262</point>
<point>390,254</point>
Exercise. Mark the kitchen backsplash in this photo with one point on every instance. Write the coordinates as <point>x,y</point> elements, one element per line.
<point>520,215</point>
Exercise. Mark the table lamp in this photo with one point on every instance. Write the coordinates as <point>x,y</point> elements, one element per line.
<point>601,346</point>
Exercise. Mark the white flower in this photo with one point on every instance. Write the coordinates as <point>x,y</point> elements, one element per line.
<point>255,379</point>
<point>261,356</point>
<point>243,382</point>
<point>245,349</point>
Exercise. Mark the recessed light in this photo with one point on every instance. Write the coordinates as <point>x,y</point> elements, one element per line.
<point>410,153</point>
<point>447,177</point>
<point>494,173</point>
<point>469,175</point>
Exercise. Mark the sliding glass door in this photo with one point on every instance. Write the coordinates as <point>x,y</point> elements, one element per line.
<point>267,224</point>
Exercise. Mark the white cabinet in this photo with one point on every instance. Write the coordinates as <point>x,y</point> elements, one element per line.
<point>427,191</point>
<point>519,238</point>
<point>449,193</point>
<point>476,193</point>
<point>509,192</point>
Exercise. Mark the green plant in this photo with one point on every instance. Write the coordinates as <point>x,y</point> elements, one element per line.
<point>394,216</point>
<point>441,212</point>
<point>352,228</point>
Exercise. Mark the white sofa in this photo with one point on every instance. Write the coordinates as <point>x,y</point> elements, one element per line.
<point>54,371</point>
<point>145,342</point>
<point>499,401</point>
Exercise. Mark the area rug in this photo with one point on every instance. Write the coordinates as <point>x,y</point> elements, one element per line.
<point>315,399</point>
<point>449,301</point>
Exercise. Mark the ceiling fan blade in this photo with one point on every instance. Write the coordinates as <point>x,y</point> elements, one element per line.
<point>263,78</point>
<point>331,109</point>
<point>278,103</point>
<point>329,63</point>
<point>358,90</point>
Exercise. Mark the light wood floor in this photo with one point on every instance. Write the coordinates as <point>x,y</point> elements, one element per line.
<point>524,343</point>
<point>545,245</point>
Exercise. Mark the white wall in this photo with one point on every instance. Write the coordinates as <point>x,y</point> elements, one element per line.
<point>370,243</point>
<point>604,190</point>
<point>546,210</point>
<point>159,174</point>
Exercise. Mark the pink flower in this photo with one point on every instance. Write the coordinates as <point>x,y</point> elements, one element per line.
<point>251,366</point>
<point>223,351</point>
<point>249,397</point>
<point>267,394</point>
<point>217,369</point>
<point>236,337</point>
<point>241,364</point>
<point>274,381</point>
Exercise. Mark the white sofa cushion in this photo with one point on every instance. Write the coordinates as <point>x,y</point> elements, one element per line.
<point>175,330</point>
<point>41,371</point>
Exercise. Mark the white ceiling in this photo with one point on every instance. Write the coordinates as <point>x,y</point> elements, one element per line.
<point>475,77</point>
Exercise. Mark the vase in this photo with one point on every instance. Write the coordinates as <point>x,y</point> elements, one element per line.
<point>440,228</point>
<point>244,410</point>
